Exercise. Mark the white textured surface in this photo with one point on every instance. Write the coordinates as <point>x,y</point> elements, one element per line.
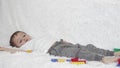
<point>38,60</point>
<point>77,21</point>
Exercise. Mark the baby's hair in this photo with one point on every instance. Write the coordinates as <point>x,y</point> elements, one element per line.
<point>12,37</point>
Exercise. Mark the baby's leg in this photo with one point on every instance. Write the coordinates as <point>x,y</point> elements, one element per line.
<point>100,51</point>
<point>107,60</point>
<point>90,56</point>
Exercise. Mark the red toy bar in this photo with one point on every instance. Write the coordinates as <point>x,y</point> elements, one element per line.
<point>74,59</point>
<point>78,60</point>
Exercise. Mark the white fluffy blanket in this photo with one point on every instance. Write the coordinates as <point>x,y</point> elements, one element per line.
<point>42,60</point>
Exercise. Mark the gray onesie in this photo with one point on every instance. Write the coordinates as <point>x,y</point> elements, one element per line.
<point>88,52</point>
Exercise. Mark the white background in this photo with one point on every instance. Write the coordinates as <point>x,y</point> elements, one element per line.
<point>78,21</point>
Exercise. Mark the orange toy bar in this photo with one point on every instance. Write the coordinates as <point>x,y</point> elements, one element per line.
<point>29,51</point>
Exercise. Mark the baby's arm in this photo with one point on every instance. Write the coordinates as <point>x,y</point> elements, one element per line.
<point>10,50</point>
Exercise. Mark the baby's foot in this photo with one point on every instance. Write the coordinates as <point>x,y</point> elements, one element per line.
<point>117,53</point>
<point>107,60</point>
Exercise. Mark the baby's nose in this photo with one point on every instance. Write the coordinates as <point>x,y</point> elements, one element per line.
<point>26,40</point>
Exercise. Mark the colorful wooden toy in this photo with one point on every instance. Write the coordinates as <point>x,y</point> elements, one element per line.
<point>72,61</point>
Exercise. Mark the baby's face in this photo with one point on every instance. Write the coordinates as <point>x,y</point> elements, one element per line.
<point>20,39</point>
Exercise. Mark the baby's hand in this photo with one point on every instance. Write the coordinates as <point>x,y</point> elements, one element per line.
<point>1,49</point>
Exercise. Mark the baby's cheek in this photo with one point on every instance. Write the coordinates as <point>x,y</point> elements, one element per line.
<point>23,43</point>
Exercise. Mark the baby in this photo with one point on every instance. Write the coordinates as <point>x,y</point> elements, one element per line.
<point>66,49</point>
<point>17,39</point>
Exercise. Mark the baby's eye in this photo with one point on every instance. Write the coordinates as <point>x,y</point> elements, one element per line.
<point>23,35</point>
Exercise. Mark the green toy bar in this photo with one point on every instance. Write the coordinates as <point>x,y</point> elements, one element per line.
<point>116,49</point>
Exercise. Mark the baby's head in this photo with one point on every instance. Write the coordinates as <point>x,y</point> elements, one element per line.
<point>19,38</point>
